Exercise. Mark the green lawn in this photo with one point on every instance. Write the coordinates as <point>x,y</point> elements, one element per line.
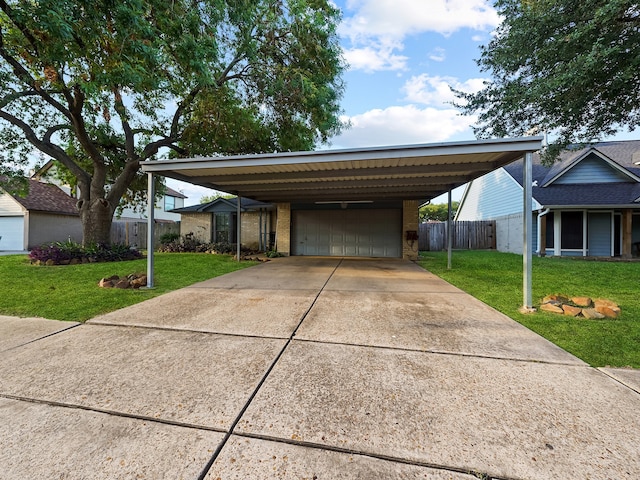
<point>72,292</point>
<point>496,279</point>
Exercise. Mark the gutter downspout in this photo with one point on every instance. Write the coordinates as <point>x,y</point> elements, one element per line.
<point>540,239</point>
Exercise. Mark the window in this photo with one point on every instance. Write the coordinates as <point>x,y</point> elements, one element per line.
<point>222,227</point>
<point>572,230</point>
<point>169,203</point>
<point>550,230</point>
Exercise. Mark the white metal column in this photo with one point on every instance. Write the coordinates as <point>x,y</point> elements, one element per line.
<point>151,203</point>
<point>449,232</point>
<point>238,228</point>
<point>527,238</point>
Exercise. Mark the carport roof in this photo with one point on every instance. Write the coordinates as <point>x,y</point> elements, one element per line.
<point>419,172</point>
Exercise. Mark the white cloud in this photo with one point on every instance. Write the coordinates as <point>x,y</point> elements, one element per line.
<point>193,192</point>
<point>378,27</point>
<point>438,55</point>
<point>376,58</point>
<point>436,91</point>
<point>399,125</point>
<point>398,18</point>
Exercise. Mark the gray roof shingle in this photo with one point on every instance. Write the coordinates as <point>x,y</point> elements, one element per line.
<point>623,153</point>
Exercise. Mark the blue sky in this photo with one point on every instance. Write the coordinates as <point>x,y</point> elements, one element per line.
<point>403,56</point>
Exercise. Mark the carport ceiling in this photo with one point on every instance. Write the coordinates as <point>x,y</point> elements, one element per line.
<point>419,172</point>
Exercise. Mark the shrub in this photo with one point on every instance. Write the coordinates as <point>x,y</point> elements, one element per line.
<point>64,252</point>
<point>169,238</point>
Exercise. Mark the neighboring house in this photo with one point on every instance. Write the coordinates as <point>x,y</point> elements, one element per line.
<point>164,211</point>
<point>217,221</point>
<point>585,204</point>
<point>170,201</point>
<point>46,214</point>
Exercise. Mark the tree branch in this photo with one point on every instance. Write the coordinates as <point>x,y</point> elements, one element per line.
<point>51,149</point>
<point>121,110</point>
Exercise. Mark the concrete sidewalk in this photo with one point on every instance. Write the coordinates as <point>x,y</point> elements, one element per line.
<point>309,368</point>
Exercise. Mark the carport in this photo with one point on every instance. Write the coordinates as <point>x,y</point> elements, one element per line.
<point>383,186</point>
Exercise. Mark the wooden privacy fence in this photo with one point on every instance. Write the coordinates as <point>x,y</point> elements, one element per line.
<point>135,233</point>
<point>479,235</point>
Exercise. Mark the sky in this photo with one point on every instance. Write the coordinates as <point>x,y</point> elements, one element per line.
<point>403,56</point>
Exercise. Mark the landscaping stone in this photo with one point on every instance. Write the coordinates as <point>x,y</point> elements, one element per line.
<point>580,306</point>
<point>549,307</point>
<point>555,298</point>
<point>133,280</point>
<point>584,302</point>
<point>609,312</point>
<point>571,310</point>
<point>591,314</point>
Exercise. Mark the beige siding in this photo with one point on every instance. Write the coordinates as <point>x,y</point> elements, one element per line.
<point>250,229</point>
<point>48,227</point>
<point>197,223</point>
<point>410,220</point>
<point>9,206</point>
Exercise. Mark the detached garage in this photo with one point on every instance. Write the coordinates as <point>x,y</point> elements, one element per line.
<point>46,214</point>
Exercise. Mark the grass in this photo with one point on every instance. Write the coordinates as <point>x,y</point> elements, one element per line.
<point>72,293</point>
<point>496,279</point>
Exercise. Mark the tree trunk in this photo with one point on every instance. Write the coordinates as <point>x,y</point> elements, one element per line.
<point>96,217</point>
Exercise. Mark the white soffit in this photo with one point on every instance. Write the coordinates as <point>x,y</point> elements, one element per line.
<point>418,172</point>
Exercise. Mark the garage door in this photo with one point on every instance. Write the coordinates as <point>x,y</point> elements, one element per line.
<point>349,233</point>
<point>11,233</point>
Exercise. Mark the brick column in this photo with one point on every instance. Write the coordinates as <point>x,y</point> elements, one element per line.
<point>283,228</point>
<point>410,220</point>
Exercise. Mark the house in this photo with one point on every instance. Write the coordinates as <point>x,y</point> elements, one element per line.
<point>171,199</point>
<point>46,214</point>
<point>585,204</point>
<point>216,221</point>
<point>165,210</point>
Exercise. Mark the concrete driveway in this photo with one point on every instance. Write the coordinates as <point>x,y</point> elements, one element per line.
<point>316,368</point>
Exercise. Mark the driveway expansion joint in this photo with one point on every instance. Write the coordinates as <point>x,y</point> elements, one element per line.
<point>442,352</point>
<point>115,413</point>
<point>388,458</point>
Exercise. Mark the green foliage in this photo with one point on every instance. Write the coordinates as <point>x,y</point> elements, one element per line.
<point>101,86</point>
<point>437,212</point>
<point>496,279</point>
<point>566,67</point>
<point>72,292</point>
<point>211,198</point>
<point>63,253</point>
<point>169,237</point>
<point>273,254</point>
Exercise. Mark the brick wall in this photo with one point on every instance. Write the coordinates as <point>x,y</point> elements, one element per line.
<point>197,223</point>
<point>283,228</point>
<point>410,220</point>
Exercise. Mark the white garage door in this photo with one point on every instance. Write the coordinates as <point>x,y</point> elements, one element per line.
<point>349,233</point>
<point>11,233</point>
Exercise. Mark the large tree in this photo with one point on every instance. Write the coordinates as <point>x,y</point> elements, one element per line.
<point>102,85</point>
<point>567,67</point>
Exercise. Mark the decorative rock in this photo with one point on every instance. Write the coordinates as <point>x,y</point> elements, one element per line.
<point>556,298</point>
<point>585,302</point>
<point>139,282</point>
<point>591,313</point>
<point>549,307</point>
<point>605,303</point>
<point>571,311</point>
<point>105,283</point>
<point>124,283</point>
<point>49,263</point>
<point>75,261</point>
<point>609,312</point>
